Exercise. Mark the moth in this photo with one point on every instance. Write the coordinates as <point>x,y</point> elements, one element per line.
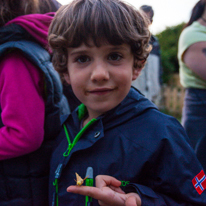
<point>79,180</point>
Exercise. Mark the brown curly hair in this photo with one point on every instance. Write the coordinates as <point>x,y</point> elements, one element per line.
<point>112,21</point>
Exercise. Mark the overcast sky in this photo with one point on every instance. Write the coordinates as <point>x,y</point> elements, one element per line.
<point>167,12</point>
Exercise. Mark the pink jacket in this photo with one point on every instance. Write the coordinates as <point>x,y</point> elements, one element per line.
<point>22,94</point>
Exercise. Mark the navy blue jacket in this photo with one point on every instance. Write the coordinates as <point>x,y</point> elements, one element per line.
<point>135,143</point>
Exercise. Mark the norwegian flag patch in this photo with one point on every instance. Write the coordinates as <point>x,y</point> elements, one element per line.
<point>199,182</point>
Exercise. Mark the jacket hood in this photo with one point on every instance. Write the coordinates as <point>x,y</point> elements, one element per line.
<point>133,105</point>
<point>35,25</point>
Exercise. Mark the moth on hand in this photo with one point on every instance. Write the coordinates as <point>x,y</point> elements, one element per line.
<point>79,180</point>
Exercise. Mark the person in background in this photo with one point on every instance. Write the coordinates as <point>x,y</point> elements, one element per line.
<point>192,70</point>
<point>150,80</point>
<point>31,102</point>
<point>99,47</point>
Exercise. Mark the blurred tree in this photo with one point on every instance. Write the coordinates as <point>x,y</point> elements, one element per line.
<point>168,40</point>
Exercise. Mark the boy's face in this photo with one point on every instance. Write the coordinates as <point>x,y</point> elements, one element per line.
<point>101,76</point>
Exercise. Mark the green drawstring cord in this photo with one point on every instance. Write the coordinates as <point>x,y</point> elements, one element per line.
<point>66,153</point>
<point>55,183</point>
<point>70,146</point>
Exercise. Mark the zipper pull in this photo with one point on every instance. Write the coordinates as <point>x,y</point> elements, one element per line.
<point>67,152</point>
<point>58,171</point>
<point>55,184</point>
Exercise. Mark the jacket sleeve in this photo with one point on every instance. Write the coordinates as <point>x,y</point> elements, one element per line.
<point>22,104</point>
<point>177,176</point>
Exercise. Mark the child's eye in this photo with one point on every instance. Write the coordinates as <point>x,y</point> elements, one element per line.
<point>82,59</point>
<point>115,57</point>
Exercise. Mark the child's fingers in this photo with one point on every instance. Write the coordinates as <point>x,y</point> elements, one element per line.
<point>87,191</point>
<point>104,180</point>
<point>131,201</point>
<point>117,189</point>
<point>105,196</point>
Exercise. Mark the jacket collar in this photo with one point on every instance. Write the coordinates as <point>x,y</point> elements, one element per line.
<point>133,105</point>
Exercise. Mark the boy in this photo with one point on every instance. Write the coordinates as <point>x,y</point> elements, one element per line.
<point>99,47</point>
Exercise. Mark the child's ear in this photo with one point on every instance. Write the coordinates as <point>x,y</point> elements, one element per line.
<point>137,68</point>
<point>67,78</point>
<point>136,72</point>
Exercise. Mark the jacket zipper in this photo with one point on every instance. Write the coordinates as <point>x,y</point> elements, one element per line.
<point>65,154</point>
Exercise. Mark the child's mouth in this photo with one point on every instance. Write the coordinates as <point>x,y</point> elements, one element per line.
<point>101,91</point>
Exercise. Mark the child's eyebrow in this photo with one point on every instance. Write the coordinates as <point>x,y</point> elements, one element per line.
<point>121,47</point>
<point>76,52</point>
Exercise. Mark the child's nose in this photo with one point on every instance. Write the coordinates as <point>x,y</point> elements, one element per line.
<point>100,72</point>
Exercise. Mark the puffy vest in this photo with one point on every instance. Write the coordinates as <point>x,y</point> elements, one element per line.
<point>24,180</point>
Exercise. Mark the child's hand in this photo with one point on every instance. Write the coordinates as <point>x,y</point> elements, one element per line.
<point>107,192</point>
